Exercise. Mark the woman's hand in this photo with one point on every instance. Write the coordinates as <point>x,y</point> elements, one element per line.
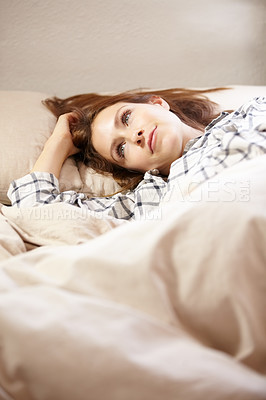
<point>62,134</point>
<point>58,147</point>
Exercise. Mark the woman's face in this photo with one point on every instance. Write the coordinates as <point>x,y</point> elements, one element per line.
<point>139,136</point>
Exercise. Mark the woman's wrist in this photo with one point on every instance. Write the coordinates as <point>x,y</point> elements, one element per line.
<point>57,145</point>
<point>52,158</point>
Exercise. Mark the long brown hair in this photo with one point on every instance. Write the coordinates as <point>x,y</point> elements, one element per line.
<point>192,106</point>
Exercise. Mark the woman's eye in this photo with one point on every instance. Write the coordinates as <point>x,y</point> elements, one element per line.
<point>125,117</point>
<point>121,150</point>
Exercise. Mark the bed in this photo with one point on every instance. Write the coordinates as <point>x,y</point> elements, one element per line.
<point>170,307</point>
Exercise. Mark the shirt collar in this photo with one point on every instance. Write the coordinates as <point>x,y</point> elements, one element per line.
<point>191,142</point>
<point>216,120</point>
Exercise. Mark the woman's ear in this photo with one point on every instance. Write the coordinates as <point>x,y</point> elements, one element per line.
<point>156,100</point>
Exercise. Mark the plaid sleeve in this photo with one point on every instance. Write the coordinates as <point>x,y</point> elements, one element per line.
<point>32,189</point>
<point>42,188</point>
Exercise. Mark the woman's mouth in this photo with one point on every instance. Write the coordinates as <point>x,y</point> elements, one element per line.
<point>152,139</point>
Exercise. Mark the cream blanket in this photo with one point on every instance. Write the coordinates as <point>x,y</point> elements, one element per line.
<point>167,309</point>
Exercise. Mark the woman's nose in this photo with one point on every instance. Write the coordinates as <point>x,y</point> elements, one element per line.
<point>138,137</point>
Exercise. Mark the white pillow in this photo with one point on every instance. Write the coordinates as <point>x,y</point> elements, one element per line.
<point>236,95</point>
<point>26,124</point>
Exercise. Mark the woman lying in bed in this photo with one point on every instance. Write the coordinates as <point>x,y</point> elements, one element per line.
<point>151,143</point>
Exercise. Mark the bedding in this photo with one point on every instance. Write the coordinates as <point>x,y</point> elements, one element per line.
<point>151,309</point>
<point>171,307</point>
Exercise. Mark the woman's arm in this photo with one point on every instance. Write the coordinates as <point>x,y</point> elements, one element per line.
<point>58,147</point>
<point>41,186</point>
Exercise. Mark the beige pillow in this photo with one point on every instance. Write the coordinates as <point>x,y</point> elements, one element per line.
<point>25,125</point>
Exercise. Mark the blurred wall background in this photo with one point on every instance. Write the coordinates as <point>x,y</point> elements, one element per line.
<point>66,47</point>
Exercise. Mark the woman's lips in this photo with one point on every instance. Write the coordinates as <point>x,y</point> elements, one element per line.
<point>152,139</point>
